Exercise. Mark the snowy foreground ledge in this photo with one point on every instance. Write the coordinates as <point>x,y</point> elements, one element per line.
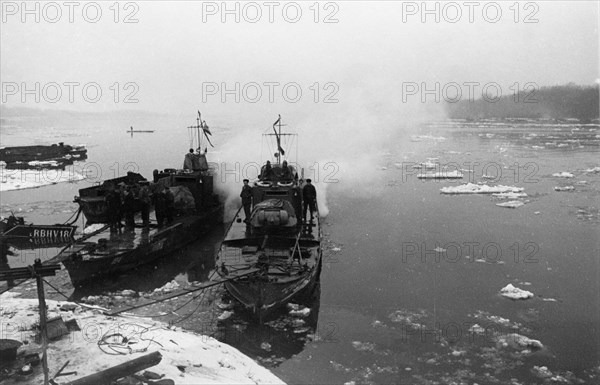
<point>472,188</point>
<point>204,360</point>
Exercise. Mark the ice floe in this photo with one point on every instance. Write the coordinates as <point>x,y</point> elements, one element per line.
<point>93,228</point>
<point>471,188</point>
<point>518,341</point>
<point>26,179</point>
<point>511,204</point>
<point>420,138</point>
<point>510,195</point>
<point>441,175</point>
<point>563,174</point>
<point>512,292</point>
<point>167,287</point>
<point>593,170</point>
<point>408,318</point>
<point>564,188</point>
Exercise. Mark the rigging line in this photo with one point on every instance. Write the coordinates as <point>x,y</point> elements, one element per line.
<point>58,291</point>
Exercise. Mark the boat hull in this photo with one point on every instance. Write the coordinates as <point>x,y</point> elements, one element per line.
<point>38,236</point>
<point>153,245</point>
<point>263,298</point>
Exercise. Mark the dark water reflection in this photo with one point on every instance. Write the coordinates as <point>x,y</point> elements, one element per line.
<point>392,309</point>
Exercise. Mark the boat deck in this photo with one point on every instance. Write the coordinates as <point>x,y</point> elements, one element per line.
<point>125,240</point>
<point>242,250</point>
<point>239,231</point>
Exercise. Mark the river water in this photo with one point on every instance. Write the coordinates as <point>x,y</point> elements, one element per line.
<point>409,290</point>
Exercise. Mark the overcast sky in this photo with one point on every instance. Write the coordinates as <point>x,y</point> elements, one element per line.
<point>368,54</point>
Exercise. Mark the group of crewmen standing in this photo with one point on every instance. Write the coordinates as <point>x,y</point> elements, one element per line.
<point>303,199</point>
<point>125,200</point>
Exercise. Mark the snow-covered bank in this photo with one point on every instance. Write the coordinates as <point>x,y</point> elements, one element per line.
<point>187,358</point>
<point>26,179</point>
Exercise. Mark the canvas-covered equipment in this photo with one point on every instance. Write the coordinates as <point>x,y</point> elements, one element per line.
<point>273,212</point>
<point>183,198</point>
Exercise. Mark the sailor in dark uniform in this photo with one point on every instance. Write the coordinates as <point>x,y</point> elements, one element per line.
<point>114,208</point>
<point>267,171</point>
<point>286,171</point>
<point>309,194</point>
<point>246,196</point>
<point>145,202</point>
<point>188,162</point>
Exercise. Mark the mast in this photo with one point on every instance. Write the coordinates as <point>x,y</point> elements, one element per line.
<point>279,143</point>
<point>198,126</point>
<point>198,121</point>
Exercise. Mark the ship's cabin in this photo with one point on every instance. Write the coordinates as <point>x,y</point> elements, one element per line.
<point>278,172</point>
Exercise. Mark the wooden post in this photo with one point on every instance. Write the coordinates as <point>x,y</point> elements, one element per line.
<point>44,333</point>
<point>37,271</point>
<point>125,369</point>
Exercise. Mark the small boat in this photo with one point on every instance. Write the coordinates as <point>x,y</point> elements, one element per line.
<point>112,249</point>
<point>40,153</point>
<point>132,131</point>
<point>281,247</point>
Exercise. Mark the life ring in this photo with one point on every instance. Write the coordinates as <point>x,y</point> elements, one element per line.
<point>263,184</point>
<point>283,184</point>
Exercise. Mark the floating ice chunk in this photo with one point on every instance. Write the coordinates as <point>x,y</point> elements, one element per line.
<point>225,315</point>
<point>225,305</point>
<point>511,204</point>
<point>26,179</point>
<point>471,188</point>
<point>363,346</point>
<point>300,312</point>
<point>594,170</point>
<point>441,175</point>
<point>420,138</point>
<point>564,188</point>
<point>542,372</point>
<point>93,228</point>
<point>512,292</point>
<point>265,346</point>
<point>518,341</point>
<point>168,287</point>
<point>129,293</point>
<point>549,300</point>
<point>510,195</point>
<point>563,174</point>
<point>476,329</point>
<point>428,165</point>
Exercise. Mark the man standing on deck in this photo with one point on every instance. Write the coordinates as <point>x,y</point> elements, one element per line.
<point>145,202</point>
<point>189,160</point>
<point>113,203</point>
<point>246,196</point>
<point>309,194</point>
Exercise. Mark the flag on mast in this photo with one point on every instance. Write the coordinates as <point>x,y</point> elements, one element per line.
<point>277,136</point>
<point>205,129</point>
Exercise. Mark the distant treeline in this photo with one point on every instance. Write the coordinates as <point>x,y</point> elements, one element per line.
<point>557,102</point>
